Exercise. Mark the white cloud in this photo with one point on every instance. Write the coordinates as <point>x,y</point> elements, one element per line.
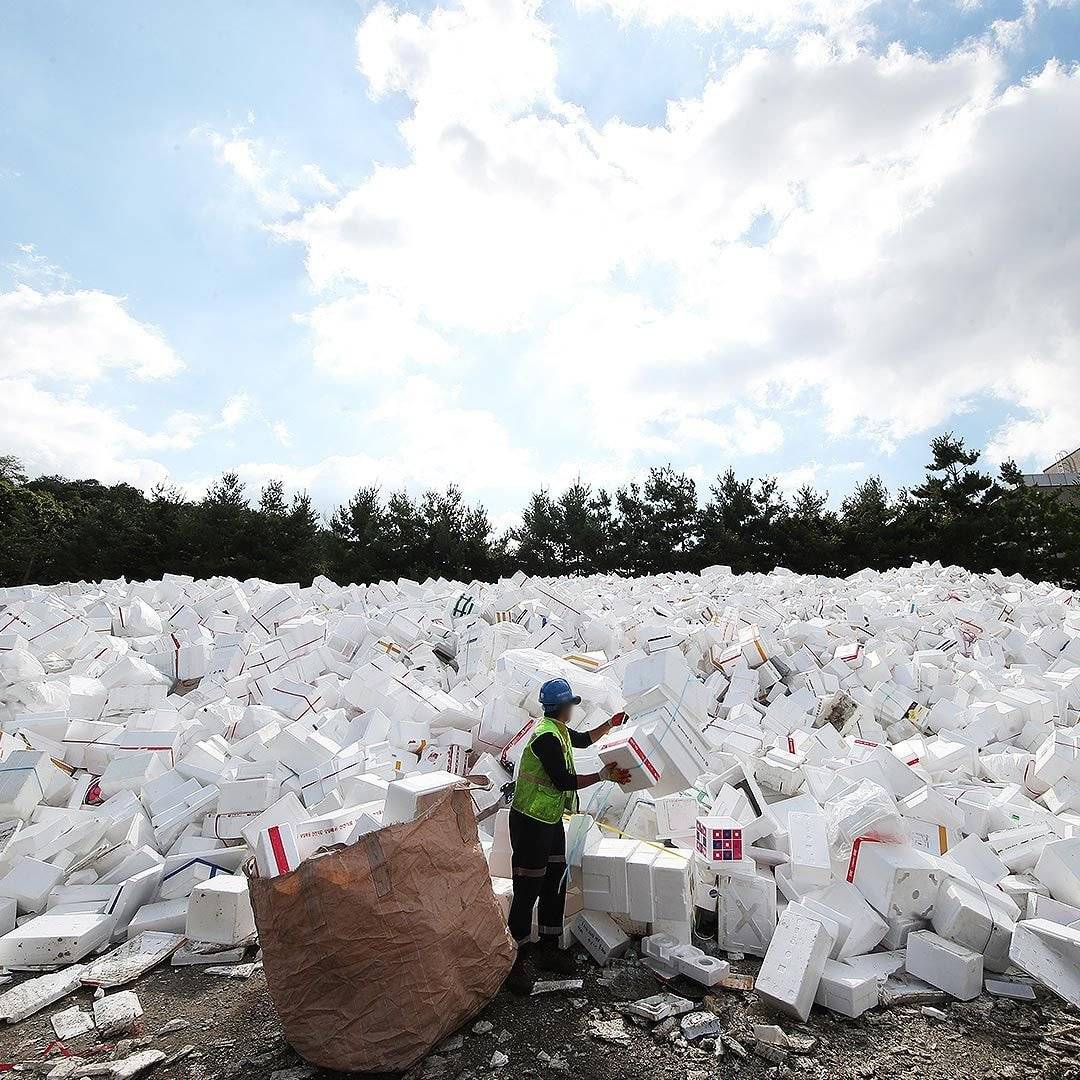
<point>436,440</point>
<point>57,433</point>
<point>882,237</point>
<point>372,336</point>
<point>236,410</point>
<point>281,432</point>
<point>77,335</point>
<point>773,16</point>
<point>279,188</point>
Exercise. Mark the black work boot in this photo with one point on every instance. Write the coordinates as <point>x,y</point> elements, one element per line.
<point>553,959</point>
<point>520,980</point>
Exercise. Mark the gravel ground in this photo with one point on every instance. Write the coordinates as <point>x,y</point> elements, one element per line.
<point>234,1033</point>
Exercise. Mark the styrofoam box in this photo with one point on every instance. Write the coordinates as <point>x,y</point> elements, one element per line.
<point>54,939</point>
<point>809,865</point>
<point>746,913</point>
<point>670,887</point>
<point>845,991</point>
<point>1058,869</point>
<point>977,916</point>
<point>950,967</point>
<point>639,883</point>
<point>1050,953</point>
<point>604,883</point>
<point>220,911</point>
<point>793,965</point>
<point>896,880</point>
<point>405,798</point>
<point>602,937</point>
<point>634,748</point>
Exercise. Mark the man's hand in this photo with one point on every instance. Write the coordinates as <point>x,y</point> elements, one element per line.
<point>617,719</point>
<point>615,773</point>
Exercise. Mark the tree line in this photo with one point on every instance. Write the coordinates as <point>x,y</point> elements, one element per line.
<point>54,529</point>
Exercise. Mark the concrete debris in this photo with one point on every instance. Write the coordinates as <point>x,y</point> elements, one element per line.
<point>821,771</point>
<point>499,1060</point>
<point>483,1027</point>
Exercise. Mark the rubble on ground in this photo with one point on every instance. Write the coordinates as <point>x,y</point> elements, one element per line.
<point>871,784</point>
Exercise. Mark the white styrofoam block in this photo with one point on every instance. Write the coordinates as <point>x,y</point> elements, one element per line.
<point>602,937</point>
<point>407,798</point>
<point>220,911</point>
<point>670,876</point>
<point>54,939</point>
<point>29,881</point>
<point>978,917</point>
<point>167,916</point>
<point>696,964</point>
<point>287,809</point>
<point>1058,869</point>
<point>634,748</point>
<point>1050,953</point>
<point>793,965</point>
<point>746,913</point>
<point>808,838</point>
<point>895,880</point>
<point>639,883</point>
<point>942,963</point>
<point>861,927</point>
<point>977,857</point>
<point>276,852</point>
<point>846,991</point>
<point>604,882</point>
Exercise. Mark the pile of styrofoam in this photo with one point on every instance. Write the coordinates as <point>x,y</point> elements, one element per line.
<point>863,781</point>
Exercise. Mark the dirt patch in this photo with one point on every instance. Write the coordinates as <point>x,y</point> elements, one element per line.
<point>235,1034</point>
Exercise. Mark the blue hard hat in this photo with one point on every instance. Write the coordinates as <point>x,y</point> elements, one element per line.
<point>556,692</point>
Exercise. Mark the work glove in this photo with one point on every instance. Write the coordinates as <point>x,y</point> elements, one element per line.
<point>617,719</point>
<point>615,773</point>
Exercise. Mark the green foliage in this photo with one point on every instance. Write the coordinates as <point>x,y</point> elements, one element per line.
<point>54,529</point>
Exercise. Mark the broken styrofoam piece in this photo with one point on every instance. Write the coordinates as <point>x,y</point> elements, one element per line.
<point>659,1007</point>
<point>135,957</point>
<point>33,995</point>
<point>71,1023</point>
<point>117,1014</point>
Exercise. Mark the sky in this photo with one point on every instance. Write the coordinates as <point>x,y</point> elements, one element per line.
<point>505,243</point>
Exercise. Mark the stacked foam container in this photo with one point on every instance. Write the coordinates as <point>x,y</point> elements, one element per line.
<point>860,781</point>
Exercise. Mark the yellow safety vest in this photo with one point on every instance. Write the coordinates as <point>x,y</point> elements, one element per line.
<point>534,794</point>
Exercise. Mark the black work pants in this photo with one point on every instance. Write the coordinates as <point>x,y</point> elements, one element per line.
<point>538,857</point>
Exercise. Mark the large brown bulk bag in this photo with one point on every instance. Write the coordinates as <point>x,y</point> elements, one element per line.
<point>376,952</point>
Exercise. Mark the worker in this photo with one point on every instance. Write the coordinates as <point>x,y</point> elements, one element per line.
<point>546,787</point>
